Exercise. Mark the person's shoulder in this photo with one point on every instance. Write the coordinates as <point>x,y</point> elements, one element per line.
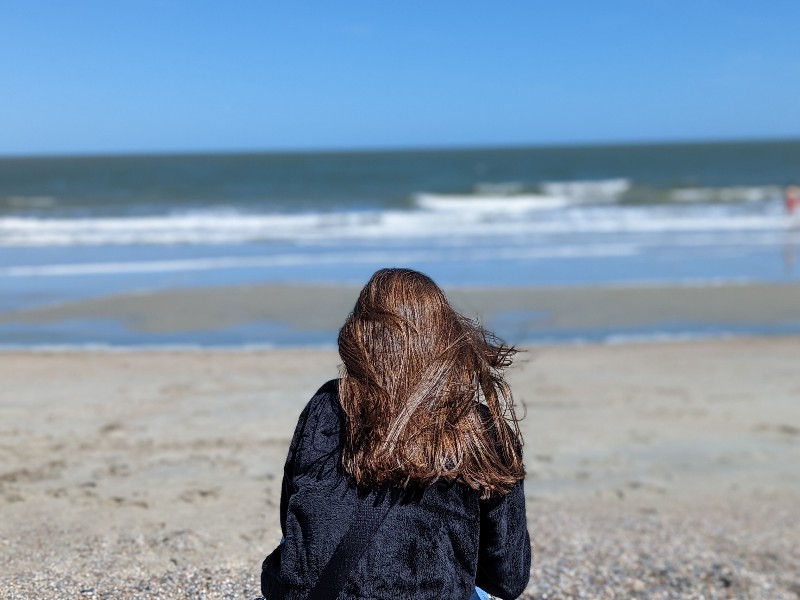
<point>326,399</point>
<point>321,401</point>
<point>329,387</point>
<point>318,429</point>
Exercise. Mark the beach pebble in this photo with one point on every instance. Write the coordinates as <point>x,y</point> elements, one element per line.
<point>720,554</point>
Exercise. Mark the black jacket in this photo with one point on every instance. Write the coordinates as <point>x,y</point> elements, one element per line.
<point>437,545</point>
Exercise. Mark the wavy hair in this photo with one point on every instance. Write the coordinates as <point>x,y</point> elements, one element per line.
<point>423,392</point>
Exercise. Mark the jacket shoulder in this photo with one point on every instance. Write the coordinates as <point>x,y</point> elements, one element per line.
<point>323,408</point>
<point>329,387</point>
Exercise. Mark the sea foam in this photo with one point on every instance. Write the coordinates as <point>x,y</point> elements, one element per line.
<point>435,218</point>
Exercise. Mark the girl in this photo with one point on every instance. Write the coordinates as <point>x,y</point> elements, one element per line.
<point>404,477</point>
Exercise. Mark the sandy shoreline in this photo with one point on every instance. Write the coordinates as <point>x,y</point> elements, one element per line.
<point>324,307</point>
<point>662,470</point>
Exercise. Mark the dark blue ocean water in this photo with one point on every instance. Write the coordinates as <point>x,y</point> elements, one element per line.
<point>697,214</point>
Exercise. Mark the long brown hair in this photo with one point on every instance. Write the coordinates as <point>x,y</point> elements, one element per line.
<point>415,376</point>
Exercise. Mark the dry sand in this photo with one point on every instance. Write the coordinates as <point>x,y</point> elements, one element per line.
<point>655,471</point>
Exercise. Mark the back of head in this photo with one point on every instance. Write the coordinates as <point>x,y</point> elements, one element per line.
<point>415,376</point>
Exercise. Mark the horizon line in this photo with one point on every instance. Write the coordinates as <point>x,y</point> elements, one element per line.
<point>402,149</point>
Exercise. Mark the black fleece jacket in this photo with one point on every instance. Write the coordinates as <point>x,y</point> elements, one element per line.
<point>435,544</point>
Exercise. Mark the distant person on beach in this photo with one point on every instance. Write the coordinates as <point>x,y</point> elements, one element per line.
<point>791,199</point>
<point>404,477</point>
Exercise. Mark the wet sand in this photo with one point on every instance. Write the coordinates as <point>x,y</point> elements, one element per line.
<point>654,471</point>
<point>323,308</point>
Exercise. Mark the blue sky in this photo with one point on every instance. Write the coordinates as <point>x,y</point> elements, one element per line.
<point>146,75</point>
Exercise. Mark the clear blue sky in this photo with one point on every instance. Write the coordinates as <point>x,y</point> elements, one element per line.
<point>145,75</point>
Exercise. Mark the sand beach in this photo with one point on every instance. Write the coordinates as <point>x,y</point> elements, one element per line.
<point>662,470</point>
<point>190,202</point>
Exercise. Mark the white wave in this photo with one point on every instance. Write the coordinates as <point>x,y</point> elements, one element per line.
<point>154,348</point>
<point>725,194</point>
<point>485,204</point>
<point>601,190</point>
<point>483,218</point>
<point>539,340</point>
<point>108,348</point>
<point>333,258</point>
<point>661,337</point>
<point>205,228</point>
<point>644,338</point>
<point>508,197</point>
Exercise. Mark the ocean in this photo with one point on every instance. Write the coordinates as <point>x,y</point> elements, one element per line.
<point>75,228</point>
